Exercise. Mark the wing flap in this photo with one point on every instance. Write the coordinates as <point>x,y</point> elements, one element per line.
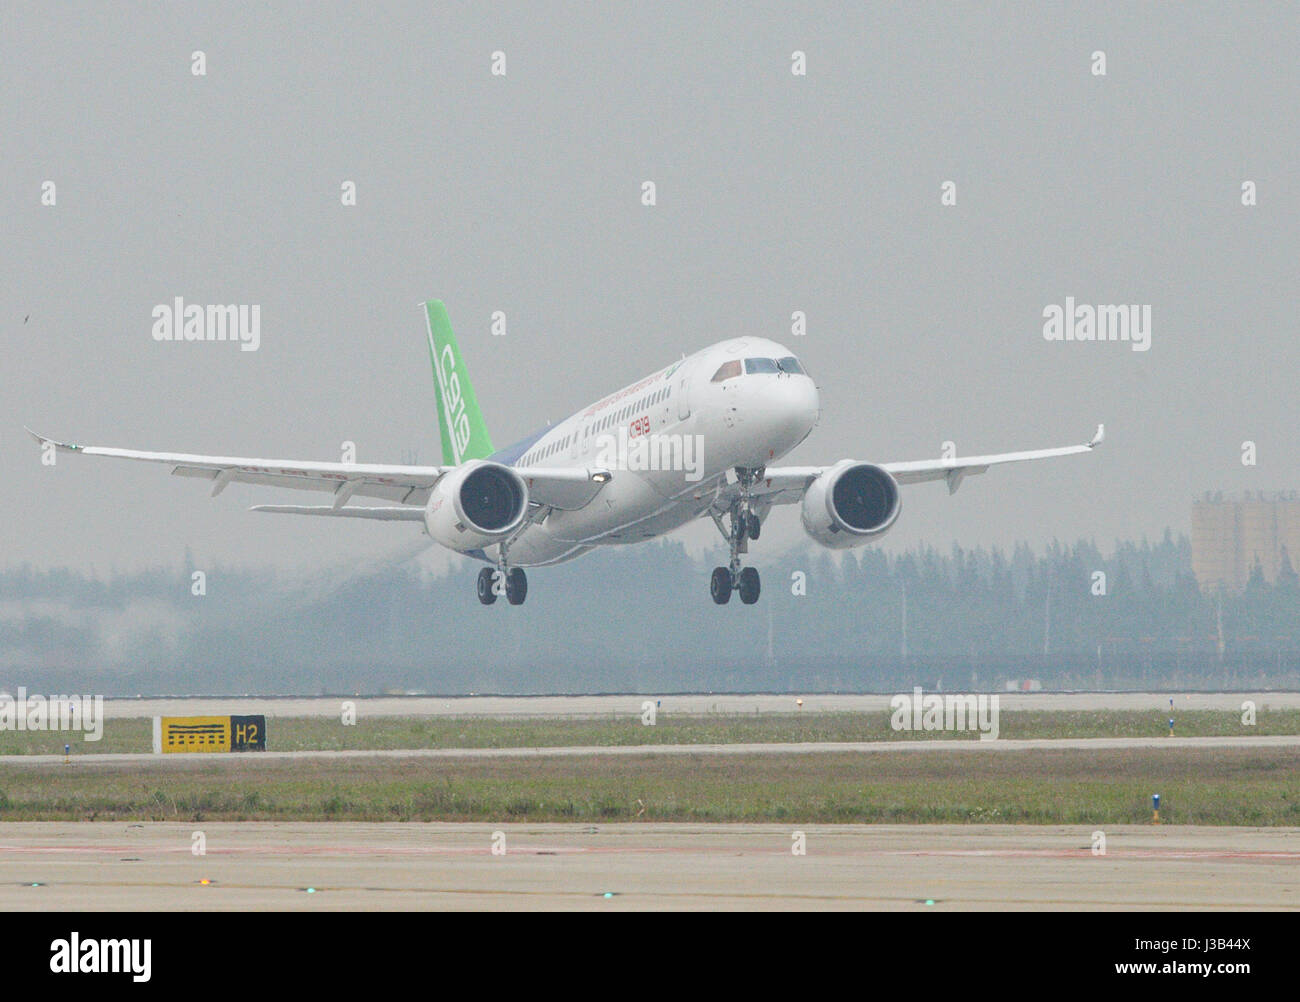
<point>786,484</point>
<point>408,484</point>
<point>399,514</point>
<point>565,488</point>
<point>954,470</point>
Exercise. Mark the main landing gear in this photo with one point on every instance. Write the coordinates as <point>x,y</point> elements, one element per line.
<point>745,524</point>
<point>502,580</point>
<point>745,582</point>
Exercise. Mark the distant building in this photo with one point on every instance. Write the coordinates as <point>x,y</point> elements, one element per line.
<point>1230,533</point>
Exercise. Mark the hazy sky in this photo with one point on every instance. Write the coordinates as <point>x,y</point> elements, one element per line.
<point>521,193</point>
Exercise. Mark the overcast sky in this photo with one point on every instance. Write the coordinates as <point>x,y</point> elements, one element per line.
<point>522,193</point>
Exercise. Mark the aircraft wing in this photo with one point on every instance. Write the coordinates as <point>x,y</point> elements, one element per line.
<point>401,513</point>
<point>786,484</point>
<point>407,485</point>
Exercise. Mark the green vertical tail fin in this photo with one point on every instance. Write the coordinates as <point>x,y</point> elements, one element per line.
<point>464,433</point>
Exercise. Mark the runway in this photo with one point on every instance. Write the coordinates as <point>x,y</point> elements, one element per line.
<point>624,867</point>
<point>909,746</point>
<point>695,705</point>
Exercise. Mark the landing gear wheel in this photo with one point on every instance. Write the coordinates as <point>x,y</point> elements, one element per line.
<point>753,526</point>
<point>720,585</point>
<point>516,586</point>
<point>748,585</point>
<point>485,593</point>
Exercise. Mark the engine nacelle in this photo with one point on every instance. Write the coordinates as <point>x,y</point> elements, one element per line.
<point>475,505</point>
<point>850,504</point>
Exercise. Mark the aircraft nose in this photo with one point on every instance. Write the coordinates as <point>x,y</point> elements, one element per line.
<point>794,410</point>
<point>808,401</point>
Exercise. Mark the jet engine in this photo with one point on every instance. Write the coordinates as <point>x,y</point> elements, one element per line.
<point>475,505</point>
<point>850,504</point>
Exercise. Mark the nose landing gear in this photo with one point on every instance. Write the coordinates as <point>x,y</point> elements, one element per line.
<point>744,524</point>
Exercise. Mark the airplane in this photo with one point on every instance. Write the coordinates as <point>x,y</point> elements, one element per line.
<point>698,438</point>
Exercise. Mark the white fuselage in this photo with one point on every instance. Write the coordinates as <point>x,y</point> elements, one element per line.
<point>669,441</point>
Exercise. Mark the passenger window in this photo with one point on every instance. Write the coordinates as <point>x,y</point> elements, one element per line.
<point>728,370</point>
<point>760,365</point>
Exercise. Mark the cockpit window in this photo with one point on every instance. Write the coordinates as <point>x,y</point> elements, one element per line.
<point>791,364</point>
<point>753,365</point>
<point>727,370</point>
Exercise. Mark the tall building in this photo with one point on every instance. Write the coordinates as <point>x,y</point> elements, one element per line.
<point>1230,533</point>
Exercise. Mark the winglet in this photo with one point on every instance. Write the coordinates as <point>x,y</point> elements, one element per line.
<point>1098,438</point>
<point>42,440</point>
